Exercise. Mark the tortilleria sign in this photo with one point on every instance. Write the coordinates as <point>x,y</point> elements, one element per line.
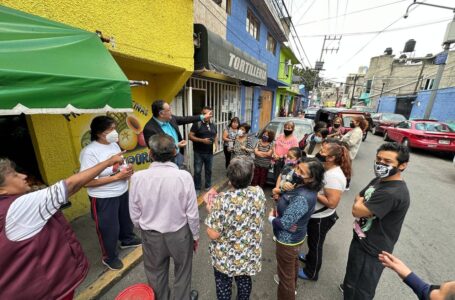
<point>217,54</point>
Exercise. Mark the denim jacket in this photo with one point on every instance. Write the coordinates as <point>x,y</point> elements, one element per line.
<point>294,207</point>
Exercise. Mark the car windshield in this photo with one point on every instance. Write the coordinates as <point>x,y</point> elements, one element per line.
<point>393,117</point>
<point>299,132</point>
<point>434,127</point>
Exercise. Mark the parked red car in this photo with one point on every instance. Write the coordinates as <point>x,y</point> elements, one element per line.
<point>383,120</point>
<point>424,134</point>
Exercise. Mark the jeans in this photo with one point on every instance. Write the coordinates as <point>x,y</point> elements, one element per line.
<point>200,159</point>
<point>227,156</point>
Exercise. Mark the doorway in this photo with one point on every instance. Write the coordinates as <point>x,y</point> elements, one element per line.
<point>199,101</point>
<point>404,105</point>
<point>265,108</point>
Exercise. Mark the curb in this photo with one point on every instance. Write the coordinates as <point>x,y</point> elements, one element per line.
<point>109,278</point>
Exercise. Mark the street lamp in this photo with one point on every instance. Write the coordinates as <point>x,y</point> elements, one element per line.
<point>449,38</point>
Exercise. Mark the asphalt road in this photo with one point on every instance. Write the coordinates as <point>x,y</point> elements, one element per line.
<point>426,244</point>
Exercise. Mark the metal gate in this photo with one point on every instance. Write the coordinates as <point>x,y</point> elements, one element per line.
<point>223,97</point>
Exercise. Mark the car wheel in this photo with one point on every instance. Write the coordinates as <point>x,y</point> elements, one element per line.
<point>365,136</point>
<point>405,142</point>
<point>374,131</point>
<point>386,136</point>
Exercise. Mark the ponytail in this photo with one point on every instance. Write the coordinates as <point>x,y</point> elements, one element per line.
<point>342,158</point>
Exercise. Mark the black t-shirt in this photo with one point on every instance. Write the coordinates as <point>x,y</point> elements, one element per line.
<point>203,130</point>
<point>389,203</point>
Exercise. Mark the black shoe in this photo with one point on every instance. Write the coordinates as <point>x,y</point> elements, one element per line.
<point>194,295</point>
<point>302,257</point>
<point>341,288</point>
<point>115,265</point>
<point>131,244</point>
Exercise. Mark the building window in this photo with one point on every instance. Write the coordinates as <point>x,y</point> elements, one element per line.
<point>248,104</point>
<point>368,87</point>
<point>228,6</point>
<point>428,84</point>
<point>252,24</point>
<point>271,44</point>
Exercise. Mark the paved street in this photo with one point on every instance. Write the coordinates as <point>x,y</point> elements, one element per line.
<point>426,243</point>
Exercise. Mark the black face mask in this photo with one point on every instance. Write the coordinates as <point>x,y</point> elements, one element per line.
<point>321,158</point>
<point>296,179</point>
<point>352,125</point>
<point>288,132</point>
<point>336,125</point>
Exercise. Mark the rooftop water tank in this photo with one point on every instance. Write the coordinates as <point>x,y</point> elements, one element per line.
<point>409,46</point>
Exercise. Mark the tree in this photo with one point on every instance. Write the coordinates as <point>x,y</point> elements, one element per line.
<point>305,76</point>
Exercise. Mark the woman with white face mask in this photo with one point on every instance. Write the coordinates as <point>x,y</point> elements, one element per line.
<point>243,144</point>
<point>108,193</point>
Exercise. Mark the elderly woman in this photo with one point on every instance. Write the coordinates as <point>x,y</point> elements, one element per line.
<point>290,220</point>
<point>229,135</point>
<point>234,225</point>
<point>243,144</point>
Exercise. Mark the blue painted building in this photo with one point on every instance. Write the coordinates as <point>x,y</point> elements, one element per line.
<point>443,108</point>
<point>254,28</point>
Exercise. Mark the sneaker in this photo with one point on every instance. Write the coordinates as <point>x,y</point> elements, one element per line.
<point>341,288</point>
<point>136,242</point>
<point>114,265</point>
<point>302,257</point>
<point>303,275</point>
<point>277,281</point>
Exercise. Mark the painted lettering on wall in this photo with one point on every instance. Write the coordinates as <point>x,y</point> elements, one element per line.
<point>244,66</point>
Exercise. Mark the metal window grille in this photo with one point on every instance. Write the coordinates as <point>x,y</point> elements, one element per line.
<point>248,105</point>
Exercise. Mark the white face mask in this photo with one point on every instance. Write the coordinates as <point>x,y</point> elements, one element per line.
<point>112,137</point>
<point>240,132</point>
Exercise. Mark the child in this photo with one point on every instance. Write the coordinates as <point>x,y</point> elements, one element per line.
<point>263,156</point>
<point>292,157</point>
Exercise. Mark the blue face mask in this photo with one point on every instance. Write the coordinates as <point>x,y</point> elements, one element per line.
<point>265,138</point>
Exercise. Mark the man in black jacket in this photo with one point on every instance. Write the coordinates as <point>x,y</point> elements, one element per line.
<point>163,121</point>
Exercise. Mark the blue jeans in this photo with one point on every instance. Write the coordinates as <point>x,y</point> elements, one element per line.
<point>200,159</point>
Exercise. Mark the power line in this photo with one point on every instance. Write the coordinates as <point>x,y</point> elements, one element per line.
<point>380,31</point>
<point>350,13</point>
<point>306,11</point>
<point>373,38</point>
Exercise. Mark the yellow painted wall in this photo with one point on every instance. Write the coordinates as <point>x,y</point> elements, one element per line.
<point>154,42</point>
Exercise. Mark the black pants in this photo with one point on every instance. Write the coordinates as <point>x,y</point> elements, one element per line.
<point>362,273</point>
<point>317,231</point>
<point>224,286</point>
<point>227,156</point>
<point>113,223</point>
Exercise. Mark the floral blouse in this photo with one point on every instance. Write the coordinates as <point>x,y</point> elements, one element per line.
<point>238,216</point>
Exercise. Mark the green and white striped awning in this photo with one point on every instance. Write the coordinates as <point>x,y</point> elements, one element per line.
<point>51,68</point>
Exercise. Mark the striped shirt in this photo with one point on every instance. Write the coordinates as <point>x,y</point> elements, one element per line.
<point>263,162</point>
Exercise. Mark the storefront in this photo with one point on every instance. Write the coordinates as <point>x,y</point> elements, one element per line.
<point>220,69</point>
<point>56,85</point>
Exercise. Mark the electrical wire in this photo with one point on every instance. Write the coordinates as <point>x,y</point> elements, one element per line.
<point>349,13</point>
<point>309,7</point>
<point>379,31</point>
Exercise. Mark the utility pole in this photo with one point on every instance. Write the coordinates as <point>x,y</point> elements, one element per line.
<point>449,39</point>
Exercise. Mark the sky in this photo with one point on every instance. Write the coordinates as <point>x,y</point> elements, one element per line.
<point>310,18</point>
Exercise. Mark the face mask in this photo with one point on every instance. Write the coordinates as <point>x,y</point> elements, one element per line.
<point>112,137</point>
<point>296,179</point>
<point>336,125</point>
<point>265,138</point>
<point>287,132</point>
<point>383,171</point>
<point>321,158</point>
<point>240,132</point>
<point>289,161</point>
<point>352,125</point>
<point>318,139</point>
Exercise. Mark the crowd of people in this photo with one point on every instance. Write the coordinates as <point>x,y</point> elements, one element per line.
<point>41,252</point>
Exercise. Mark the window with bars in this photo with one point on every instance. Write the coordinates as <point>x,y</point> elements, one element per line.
<point>252,24</point>
<point>248,105</point>
<point>270,44</point>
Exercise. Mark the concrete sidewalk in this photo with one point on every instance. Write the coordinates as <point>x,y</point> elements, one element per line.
<point>99,278</point>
